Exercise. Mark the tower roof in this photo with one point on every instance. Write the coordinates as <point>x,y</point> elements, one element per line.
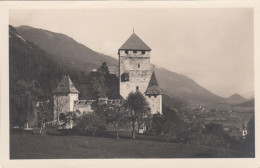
<point>153,86</point>
<point>66,86</point>
<point>134,43</point>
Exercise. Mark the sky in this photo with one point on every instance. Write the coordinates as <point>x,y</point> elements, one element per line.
<point>212,46</point>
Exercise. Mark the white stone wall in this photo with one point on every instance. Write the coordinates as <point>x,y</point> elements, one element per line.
<point>61,105</point>
<point>155,103</point>
<point>73,97</point>
<point>139,68</point>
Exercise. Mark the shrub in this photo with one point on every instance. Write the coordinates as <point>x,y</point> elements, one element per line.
<point>90,122</point>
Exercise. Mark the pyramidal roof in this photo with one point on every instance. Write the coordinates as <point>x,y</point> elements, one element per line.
<point>153,86</point>
<point>66,86</point>
<point>134,43</point>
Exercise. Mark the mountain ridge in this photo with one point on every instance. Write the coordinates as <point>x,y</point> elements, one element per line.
<point>236,99</point>
<point>72,53</point>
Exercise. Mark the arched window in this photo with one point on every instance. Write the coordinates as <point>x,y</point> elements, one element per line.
<point>125,77</point>
<point>62,117</point>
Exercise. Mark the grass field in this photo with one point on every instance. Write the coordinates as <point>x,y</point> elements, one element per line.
<point>25,146</point>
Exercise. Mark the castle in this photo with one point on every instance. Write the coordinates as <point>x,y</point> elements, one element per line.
<point>135,74</point>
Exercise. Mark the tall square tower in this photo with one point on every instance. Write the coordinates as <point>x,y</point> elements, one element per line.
<point>134,66</point>
<point>136,72</point>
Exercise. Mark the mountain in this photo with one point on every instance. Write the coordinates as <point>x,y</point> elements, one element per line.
<point>235,99</point>
<point>182,87</point>
<point>65,49</point>
<point>27,62</point>
<point>248,95</point>
<point>249,103</point>
<point>75,55</point>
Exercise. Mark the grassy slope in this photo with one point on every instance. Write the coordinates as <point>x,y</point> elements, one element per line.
<point>71,147</point>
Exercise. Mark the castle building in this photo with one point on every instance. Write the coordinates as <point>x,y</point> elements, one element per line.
<point>136,72</point>
<point>153,95</point>
<point>64,96</point>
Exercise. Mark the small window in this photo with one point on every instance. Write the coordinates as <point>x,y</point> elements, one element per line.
<point>135,51</point>
<point>143,52</point>
<point>126,51</point>
<point>155,96</point>
<point>125,77</point>
<point>149,96</point>
<point>137,88</point>
<point>138,65</point>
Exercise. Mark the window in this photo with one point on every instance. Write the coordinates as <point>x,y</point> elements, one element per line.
<point>137,88</point>
<point>62,117</point>
<point>143,52</point>
<point>126,51</point>
<point>138,65</point>
<point>125,77</point>
<point>155,96</point>
<point>135,51</point>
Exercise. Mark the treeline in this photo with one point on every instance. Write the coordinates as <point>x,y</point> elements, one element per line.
<point>171,123</point>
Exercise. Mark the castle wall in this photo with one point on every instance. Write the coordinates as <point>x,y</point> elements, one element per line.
<point>155,103</point>
<point>83,106</point>
<point>137,54</point>
<point>139,70</point>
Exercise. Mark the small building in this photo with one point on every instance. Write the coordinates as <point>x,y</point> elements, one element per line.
<point>64,96</point>
<point>153,95</point>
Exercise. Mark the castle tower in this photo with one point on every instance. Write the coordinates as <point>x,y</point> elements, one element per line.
<point>134,66</point>
<point>153,95</point>
<point>64,96</point>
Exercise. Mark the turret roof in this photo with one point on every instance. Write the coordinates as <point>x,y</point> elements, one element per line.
<point>66,86</point>
<point>134,43</point>
<point>153,86</point>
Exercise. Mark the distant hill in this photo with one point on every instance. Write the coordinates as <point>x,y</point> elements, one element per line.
<point>73,54</point>
<point>235,99</point>
<point>248,95</point>
<point>249,103</point>
<point>182,87</point>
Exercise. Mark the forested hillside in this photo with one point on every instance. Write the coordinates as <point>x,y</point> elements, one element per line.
<point>34,74</point>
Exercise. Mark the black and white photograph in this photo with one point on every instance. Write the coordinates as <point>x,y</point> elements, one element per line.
<point>131,83</point>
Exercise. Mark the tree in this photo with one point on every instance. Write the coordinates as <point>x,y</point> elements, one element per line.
<point>103,69</point>
<point>44,110</point>
<point>117,116</point>
<point>138,108</point>
<point>250,137</point>
<point>72,118</point>
<point>90,122</point>
<point>173,124</point>
<point>157,123</point>
<point>24,96</point>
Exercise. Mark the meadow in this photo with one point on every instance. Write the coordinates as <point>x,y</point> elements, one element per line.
<point>57,145</point>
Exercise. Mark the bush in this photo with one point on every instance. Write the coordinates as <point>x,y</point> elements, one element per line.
<point>91,122</point>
